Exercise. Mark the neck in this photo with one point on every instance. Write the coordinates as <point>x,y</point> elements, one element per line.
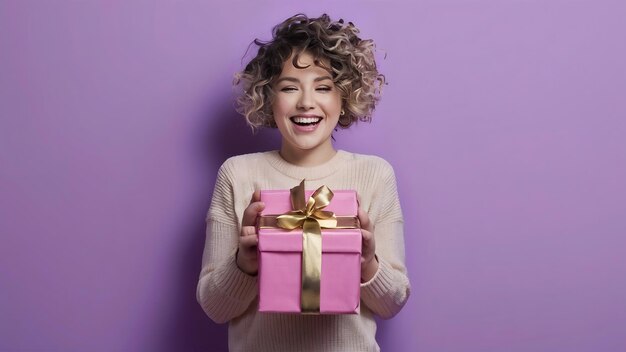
<point>307,157</point>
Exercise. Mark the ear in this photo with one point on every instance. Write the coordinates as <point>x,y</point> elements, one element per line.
<point>345,119</point>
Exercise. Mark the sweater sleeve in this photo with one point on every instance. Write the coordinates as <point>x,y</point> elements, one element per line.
<point>224,291</point>
<point>387,292</point>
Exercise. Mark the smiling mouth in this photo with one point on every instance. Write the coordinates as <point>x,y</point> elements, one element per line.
<point>305,121</point>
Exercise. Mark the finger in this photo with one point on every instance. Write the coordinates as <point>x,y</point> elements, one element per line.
<point>248,231</point>
<point>251,212</point>
<point>256,196</point>
<point>248,241</point>
<point>364,219</point>
<point>367,236</point>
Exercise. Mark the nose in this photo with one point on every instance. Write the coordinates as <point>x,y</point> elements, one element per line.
<point>306,101</point>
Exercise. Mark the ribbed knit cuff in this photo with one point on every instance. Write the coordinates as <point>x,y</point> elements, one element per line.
<point>234,282</point>
<point>375,293</point>
<point>381,282</point>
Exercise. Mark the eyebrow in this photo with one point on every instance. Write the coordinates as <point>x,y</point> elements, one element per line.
<point>293,79</point>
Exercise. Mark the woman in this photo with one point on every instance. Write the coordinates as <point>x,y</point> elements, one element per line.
<point>314,75</point>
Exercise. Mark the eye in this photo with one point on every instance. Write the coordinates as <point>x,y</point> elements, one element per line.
<point>324,89</point>
<point>288,89</point>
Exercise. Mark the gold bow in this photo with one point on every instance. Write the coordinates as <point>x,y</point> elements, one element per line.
<point>311,218</point>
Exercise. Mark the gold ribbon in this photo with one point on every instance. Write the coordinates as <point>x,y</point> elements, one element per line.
<point>343,222</point>
<point>311,218</point>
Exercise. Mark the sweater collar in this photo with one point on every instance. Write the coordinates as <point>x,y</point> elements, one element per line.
<point>307,172</point>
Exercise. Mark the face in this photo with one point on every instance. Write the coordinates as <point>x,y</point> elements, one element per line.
<point>307,105</point>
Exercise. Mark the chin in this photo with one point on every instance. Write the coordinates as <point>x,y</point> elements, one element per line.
<point>306,146</point>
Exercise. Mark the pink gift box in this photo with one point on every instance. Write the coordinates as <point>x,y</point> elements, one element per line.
<point>280,259</point>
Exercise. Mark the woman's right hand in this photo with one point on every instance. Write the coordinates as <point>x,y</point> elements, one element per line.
<point>247,259</point>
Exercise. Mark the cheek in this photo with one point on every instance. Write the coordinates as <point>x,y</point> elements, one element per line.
<point>276,108</point>
<point>280,111</point>
<point>335,101</point>
<point>335,105</point>
<point>280,107</point>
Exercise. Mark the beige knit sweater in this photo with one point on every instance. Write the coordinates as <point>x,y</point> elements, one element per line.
<point>227,294</point>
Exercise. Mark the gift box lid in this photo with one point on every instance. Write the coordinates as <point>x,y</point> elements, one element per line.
<point>344,202</point>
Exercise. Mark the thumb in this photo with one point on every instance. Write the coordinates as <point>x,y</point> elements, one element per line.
<point>251,212</point>
<point>364,219</point>
<point>256,196</point>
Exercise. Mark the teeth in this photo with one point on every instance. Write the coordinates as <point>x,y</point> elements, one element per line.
<point>299,119</point>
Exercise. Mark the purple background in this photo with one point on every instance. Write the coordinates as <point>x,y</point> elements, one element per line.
<point>504,120</point>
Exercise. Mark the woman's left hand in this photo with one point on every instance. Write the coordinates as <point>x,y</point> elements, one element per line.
<point>369,262</point>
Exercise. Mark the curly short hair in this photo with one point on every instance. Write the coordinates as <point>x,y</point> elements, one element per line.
<point>352,66</point>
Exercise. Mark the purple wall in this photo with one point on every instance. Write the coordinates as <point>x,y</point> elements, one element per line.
<point>504,120</point>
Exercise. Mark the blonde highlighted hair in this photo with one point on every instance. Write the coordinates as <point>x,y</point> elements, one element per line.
<point>352,66</point>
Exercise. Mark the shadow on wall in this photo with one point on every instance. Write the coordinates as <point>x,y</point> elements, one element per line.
<point>225,134</point>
